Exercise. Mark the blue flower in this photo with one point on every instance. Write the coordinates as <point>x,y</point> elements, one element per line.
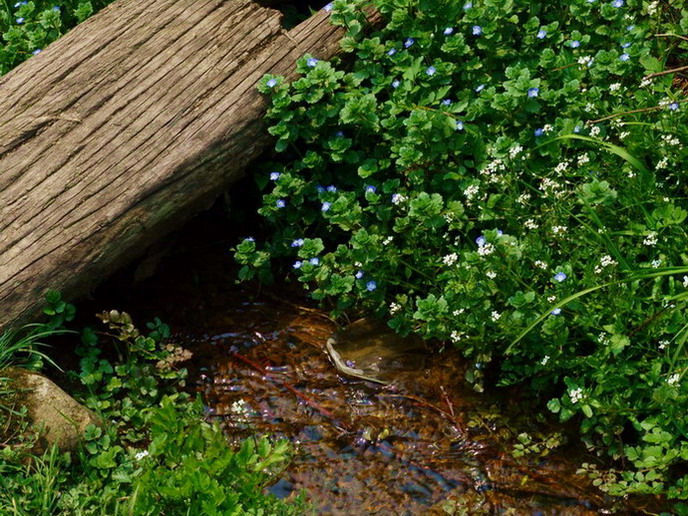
<point>370,188</point>
<point>274,176</point>
<point>560,276</point>
<point>320,189</point>
<point>446,102</point>
<point>542,34</point>
<point>314,261</point>
<point>577,129</point>
<point>500,232</point>
<point>409,42</point>
<point>539,131</point>
<point>395,84</point>
<point>575,43</point>
<point>448,31</point>
<point>624,57</point>
<point>371,285</point>
<point>480,88</point>
<point>618,3</point>
<point>297,243</point>
<point>459,125</point>
<point>467,5</point>
<point>431,70</point>
<point>250,239</point>
<point>332,188</point>
<point>477,30</point>
<point>326,206</point>
<point>533,92</point>
<point>312,62</point>
<point>360,274</point>
<point>626,45</point>
<point>630,28</point>
<point>37,51</point>
<point>328,7</point>
<point>20,20</point>
<point>556,311</point>
<point>271,83</point>
<point>55,8</point>
<point>297,264</point>
<point>481,240</point>
<point>391,51</point>
<point>280,203</point>
<point>673,106</point>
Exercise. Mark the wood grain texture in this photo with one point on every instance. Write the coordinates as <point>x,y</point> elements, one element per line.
<point>125,128</point>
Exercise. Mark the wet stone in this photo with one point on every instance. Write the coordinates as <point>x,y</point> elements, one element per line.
<point>369,350</point>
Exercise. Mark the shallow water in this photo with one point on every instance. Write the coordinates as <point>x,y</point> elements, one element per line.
<point>424,444</point>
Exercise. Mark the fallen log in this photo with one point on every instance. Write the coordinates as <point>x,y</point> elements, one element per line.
<point>125,128</point>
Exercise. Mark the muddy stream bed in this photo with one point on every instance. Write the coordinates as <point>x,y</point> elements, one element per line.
<point>425,443</point>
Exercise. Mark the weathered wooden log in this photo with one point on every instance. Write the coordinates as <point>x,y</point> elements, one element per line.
<point>125,128</point>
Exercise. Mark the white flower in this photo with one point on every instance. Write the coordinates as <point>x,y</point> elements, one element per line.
<point>645,82</point>
<point>559,230</point>
<point>545,360</point>
<point>662,163</point>
<point>585,60</point>
<point>595,131</point>
<point>607,260</point>
<point>456,336</point>
<point>458,312</point>
<point>140,455</point>
<point>583,159</point>
<point>685,281</point>
<point>394,308</point>
<point>652,8</point>
<point>614,87</point>
<point>673,379</point>
<point>603,338</point>
<point>471,191</point>
<point>576,395</point>
<point>562,166</point>
<point>388,240</point>
<point>496,315</point>
<point>656,263</point>
<point>491,274</point>
<point>650,239</point>
<point>547,128</point>
<point>663,344</point>
<point>551,299</point>
<point>540,264</point>
<point>450,259</point>
<point>486,249</point>
<point>531,224</point>
<point>514,151</point>
<point>523,198</point>
<point>398,198</point>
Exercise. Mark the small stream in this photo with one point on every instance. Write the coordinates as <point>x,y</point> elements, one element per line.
<point>424,444</point>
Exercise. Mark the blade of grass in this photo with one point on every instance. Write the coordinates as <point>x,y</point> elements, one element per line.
<point>633,276</point>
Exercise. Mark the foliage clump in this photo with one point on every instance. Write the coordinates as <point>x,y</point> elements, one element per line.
<point>156,453</point>
<point>509,177</point>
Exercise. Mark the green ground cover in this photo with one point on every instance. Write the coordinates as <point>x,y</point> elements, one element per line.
<point>507,177</point>
<point>155,453</point>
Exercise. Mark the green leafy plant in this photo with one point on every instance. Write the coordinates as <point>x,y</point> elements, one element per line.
<point>155,452</point>
<point>27,27</point>
<point>508,177</point>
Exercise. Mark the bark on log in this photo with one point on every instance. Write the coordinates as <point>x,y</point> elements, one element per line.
<point>125,128</point>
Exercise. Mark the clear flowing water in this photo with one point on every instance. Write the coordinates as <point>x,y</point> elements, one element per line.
<point>423,444</point>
